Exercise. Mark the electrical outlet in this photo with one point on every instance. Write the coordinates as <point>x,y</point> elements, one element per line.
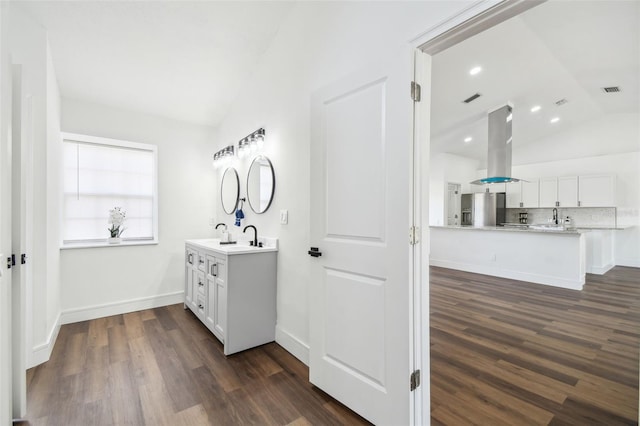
<point>284,217</point>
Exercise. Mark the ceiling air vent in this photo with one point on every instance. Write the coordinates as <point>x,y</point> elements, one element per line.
<point>472,98</point>
<point>561,102</point>
<point>612,89</point>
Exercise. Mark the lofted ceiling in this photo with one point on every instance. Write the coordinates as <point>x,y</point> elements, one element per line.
<point>185,60</point>
<point>558,50</point>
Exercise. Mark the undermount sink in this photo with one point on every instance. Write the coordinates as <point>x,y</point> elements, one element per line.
<point>547,227</point>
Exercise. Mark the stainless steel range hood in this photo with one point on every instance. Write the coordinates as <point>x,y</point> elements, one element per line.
<point>499,153</point>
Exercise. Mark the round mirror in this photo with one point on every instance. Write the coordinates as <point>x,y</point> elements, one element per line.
<point>261,183</point>
<point>230,190</point>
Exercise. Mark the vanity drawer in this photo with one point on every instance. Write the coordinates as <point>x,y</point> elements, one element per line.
<point>201,261</point>
<point>200,285</point>
<point>200,305</point>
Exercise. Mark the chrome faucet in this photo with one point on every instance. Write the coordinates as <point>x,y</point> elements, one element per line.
<point>223,224</point>
<point>255,235</point>
<point>555,216</point>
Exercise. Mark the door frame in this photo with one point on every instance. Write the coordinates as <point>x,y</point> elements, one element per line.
<point>6,389</point>
<point>478,17</point>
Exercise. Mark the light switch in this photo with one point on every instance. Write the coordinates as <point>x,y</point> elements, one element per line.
<point>284,217</point>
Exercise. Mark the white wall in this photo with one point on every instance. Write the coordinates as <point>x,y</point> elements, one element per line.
<point>108,280</point>
<point>447,168</point>
<point>611,134</point>
<point>318,43</point>
<point>29,48</point>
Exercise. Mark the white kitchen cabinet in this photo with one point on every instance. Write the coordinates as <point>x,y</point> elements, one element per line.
<point>597,191</point>
<point>232,290</point>
<point>568,191</point>
<point>530,193</point>
<point>514,195</point>
<point>523,194</point>
<point>559,191</point>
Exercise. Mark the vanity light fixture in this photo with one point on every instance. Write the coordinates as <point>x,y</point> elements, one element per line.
<point>251,143</point>
<point>224,156</point>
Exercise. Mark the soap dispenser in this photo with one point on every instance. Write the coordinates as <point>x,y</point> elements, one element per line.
<point>567,222</point>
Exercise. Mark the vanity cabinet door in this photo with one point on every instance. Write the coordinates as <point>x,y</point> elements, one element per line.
<point>212,267</point>
<point>191,257</point>
<point>220,319</point>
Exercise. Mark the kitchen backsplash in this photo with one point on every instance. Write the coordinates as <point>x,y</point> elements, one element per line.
<point>583,216</point>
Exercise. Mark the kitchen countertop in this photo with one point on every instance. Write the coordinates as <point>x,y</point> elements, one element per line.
<point>513,229</point>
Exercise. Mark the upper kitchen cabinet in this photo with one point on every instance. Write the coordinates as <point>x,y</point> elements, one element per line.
<point>597,191</point>
<point>559,191</point>
<point>523,194</point>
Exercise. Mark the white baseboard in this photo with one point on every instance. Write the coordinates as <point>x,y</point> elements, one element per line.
<point>601,270</point>
<point>504,273</point>
<point>292,344</point>
<point>42,352</point>
<point>116,308</point>
<point>628,261</point>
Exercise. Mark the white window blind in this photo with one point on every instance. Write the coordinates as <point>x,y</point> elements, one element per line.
<point>100,174</point>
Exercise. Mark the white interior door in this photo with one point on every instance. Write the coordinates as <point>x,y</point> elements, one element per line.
<point>360,307</point>
<point>21,153</point>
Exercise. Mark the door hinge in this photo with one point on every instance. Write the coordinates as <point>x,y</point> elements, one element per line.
<point>415,380</point>
<point>415,91</point>
<point>23,258</point>
<point>414,235</point>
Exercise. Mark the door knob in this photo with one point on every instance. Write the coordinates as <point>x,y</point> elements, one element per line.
<point>314,252</point>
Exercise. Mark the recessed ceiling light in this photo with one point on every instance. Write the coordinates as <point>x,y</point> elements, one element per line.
<point>475,70</point>
<point>555,119</point>
<point>535,108</point>
<point>468,139</point>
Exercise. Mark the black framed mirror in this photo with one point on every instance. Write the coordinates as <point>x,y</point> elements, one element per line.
<point>261,184</point>
<point>230,190</point>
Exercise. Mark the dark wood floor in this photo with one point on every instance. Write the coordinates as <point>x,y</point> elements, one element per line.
<point>506,352</point>
<point>163,367</point>
<point>502,353</point>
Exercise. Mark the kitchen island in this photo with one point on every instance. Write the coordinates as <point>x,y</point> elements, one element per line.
<point>550,257</point>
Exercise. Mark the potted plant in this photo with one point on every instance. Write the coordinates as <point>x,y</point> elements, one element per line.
<point>116,220</point>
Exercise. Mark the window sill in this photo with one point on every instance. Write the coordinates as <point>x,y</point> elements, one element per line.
<point>96,244</point>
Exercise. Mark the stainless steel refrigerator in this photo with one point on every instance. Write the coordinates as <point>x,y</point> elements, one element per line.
<point>483,209</point>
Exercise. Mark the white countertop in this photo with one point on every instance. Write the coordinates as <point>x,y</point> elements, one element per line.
<point>513,229</point>
<point>240,247</point>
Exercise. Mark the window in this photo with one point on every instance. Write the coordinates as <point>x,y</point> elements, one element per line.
<point>100,174</point>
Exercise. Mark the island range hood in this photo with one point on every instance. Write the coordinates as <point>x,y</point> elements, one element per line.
<point>499,152</point>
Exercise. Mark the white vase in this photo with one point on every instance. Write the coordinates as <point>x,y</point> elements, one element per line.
<point>114,240</point>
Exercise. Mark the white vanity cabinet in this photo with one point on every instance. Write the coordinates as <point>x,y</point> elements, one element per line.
<point>232,290</point>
